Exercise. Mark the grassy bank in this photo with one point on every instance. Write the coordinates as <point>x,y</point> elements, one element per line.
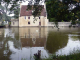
<point>69,57</point>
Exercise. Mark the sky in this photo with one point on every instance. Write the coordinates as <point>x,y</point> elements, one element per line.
<point>26,3</point>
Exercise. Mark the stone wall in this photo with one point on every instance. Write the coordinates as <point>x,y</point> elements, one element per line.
<point>59,24</point>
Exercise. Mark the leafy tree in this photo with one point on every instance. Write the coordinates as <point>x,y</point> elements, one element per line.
<point>10,7</point>
<point>58,10</point>
<point>16,11</point>
<point>76,11</point>
<point>3,15</point>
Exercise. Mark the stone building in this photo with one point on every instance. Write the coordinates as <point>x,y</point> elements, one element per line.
<point>27,19</point>
<point>14,22</point>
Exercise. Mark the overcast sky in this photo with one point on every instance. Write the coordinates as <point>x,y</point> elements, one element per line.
<point>26,2</point>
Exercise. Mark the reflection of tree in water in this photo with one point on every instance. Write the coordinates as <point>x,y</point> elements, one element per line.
<point>55,41</point>
<point>79,33</point>
<point>5,52</point>
<point>74,38</point>
<point>75,35</point>
<point>16,32</point>
<point>4,49</point>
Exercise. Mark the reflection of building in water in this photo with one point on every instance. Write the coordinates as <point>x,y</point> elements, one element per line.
<point>33,37</point>
<point>32,32</point>
<point>38,42</point>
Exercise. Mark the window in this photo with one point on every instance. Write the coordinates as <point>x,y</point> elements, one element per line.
<point>39,17</point>
<point>29,17</point>
<point>25,17</point>
<point>28,22</point>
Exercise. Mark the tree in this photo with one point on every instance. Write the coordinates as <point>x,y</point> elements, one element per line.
<point>10,7</point>
<point>76,11</point>
<point>58,10</point>
<point>3,15</point>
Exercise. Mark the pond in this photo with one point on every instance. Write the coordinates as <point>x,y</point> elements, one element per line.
<point>22,43</point>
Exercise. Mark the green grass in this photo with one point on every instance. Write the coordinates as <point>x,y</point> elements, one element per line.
<point>64,57</point>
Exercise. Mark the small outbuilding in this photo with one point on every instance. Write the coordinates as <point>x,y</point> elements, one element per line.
<point>14,22</point>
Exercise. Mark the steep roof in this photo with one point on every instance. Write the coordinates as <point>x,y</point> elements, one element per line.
<point>23,11</point>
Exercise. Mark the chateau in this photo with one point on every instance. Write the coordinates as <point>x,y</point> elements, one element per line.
<point>27,19</point>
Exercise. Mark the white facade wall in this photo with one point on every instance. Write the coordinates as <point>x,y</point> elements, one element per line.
<point>14,23</point>
<point>23,21</point>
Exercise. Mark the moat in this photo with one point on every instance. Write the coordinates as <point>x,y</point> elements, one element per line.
<point>23,43</point>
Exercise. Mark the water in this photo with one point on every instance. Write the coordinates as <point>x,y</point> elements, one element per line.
<point>23,43</point>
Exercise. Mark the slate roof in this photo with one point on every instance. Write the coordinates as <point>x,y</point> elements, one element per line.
<point>23,11</point>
